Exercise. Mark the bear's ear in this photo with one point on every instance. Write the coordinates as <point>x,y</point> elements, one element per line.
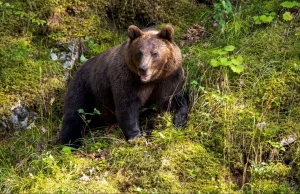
<point>134,32</point>
<point>167,33</point>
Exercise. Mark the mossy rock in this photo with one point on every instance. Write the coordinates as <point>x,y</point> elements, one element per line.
<point>27,76</point>
<point>179,167</point>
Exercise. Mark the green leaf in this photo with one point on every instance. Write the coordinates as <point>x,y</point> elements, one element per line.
<point>237,68</point>
<point>272,13</point>
<point>96,111</point>
<point>266,19</point>
<point>228,63</point>
<point>256,20</point>
<point>219,52</point>
<point>263,17</point>
<point>194,82</point>
<point>83,59</point>
<point>7,5</point>
<point>66,150</point>
<point>20,13</point>
<point>81,111</point>
<point>223,61</point>
<point>289,4</point>
<point>154,107</point>
<point>214,63</point>
<point>223,52</point>
<point>222,23</point>
<point>240,58</point>
<point>269,19</point>
<point>201,89</point>
<point>287,16</point>
<point>237,61</point>
<point>229,48</point>
<point>217,5</point>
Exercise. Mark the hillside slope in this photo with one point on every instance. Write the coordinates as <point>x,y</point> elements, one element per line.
<point>242,60</point>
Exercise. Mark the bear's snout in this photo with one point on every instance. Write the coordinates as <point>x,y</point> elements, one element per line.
<point>143,70</point>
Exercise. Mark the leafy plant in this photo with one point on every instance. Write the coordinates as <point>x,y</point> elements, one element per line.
<point>224,59</point>
<point>99,145</point>
<point>287,16</point>
<point>55,36</point>
<point>92,45</point>
<point>18,51</point>
<point>197,86</point>
<point>276,145</point>
<point>66,150</point>
<point>83,59</point>
<point>265,18</point>
<point>222,9</point>
<point>33,17</point>
<point>86,117</point>
<point>289,4</point>
<point>6,5</point>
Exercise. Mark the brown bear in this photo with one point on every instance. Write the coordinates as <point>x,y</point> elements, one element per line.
<point>146,69</point>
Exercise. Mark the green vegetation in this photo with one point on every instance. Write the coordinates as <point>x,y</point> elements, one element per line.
<point>235,64</point>
<point>243,81</point>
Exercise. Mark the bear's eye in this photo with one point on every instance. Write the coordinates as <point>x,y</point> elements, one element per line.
<point>139,54</point>
<point>154,55</point>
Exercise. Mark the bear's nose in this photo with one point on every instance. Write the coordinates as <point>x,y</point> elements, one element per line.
<point>142,70</point>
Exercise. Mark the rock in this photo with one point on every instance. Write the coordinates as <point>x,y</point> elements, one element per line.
<point>63,56</point>
<point>287,140</point>
<point>19,119</point>
<point>261,125</point>
<point>3,126</point>
<point>53,56</point>
<point>73,54</point>
<point>68,57</point>
<point>68,64</point>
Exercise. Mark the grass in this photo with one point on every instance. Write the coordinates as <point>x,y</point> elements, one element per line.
<point>232,143</point>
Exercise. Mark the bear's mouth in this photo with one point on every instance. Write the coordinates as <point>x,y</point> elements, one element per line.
<point>145,78</point>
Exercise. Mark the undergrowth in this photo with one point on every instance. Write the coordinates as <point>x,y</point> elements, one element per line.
<point>243,130</point>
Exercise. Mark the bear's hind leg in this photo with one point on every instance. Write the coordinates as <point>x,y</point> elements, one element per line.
<point>78,97</point>
<point>71,131</point>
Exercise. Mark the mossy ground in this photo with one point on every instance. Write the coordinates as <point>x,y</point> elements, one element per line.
<point>238,123</point>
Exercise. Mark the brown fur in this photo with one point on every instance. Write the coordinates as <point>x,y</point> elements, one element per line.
<point>144,70</point>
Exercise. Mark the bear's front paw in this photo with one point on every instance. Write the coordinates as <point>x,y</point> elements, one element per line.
<point>131,136</point>
<point>180,121</point>
<point>180,118</point>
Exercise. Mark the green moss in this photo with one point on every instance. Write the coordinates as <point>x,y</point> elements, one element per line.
<point>235,126</point>
<point>27,74</point>
<point>178,167</point>
<point>261,7</point>
<point>49,174</point>
<point>194,168</point>
<point>31,82</point>
<point>269,186</point>
<point>275,171</point>
<point>143,13</point>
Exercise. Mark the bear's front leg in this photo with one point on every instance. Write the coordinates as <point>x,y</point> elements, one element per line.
<point>178,104</point>
<point>128,119</point>
<point>181,111</point>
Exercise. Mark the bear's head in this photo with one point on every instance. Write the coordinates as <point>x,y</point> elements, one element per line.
<point>151,54</point>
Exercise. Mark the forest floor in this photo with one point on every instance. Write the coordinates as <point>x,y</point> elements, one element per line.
<point>242,61</point>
